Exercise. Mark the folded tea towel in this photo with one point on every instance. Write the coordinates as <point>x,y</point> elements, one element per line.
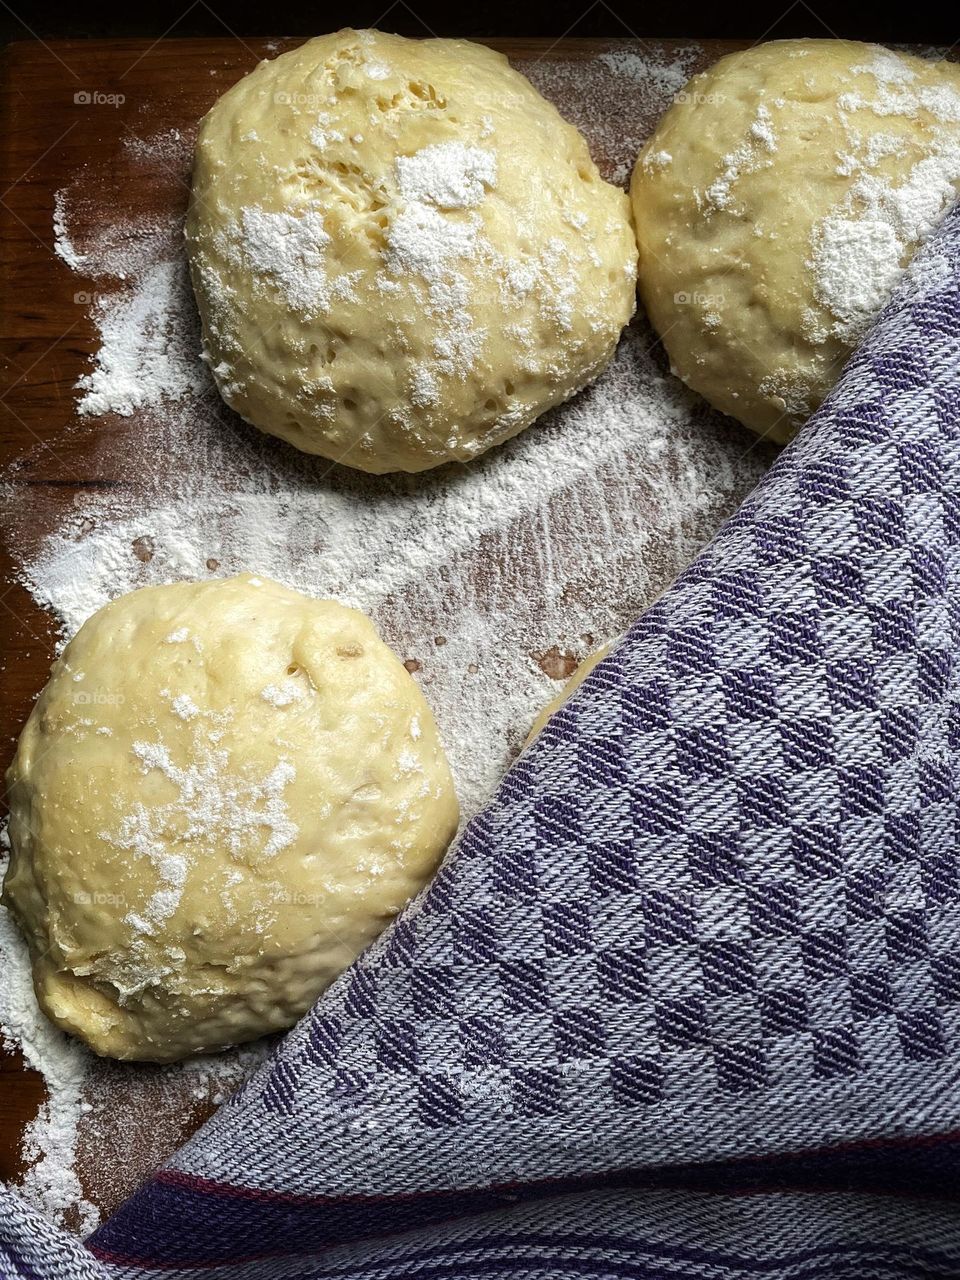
<point>685,999</point>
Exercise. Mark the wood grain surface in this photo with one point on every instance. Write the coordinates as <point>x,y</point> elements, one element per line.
<point>50,130</point>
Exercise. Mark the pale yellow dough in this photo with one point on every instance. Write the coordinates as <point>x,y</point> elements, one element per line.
<point>401,252</point>
<point>777,203</point>
<point>224,793</point>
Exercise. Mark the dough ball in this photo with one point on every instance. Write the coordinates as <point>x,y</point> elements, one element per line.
<point>777,204</point>
<point>224,793</point>
<point>401,252</point>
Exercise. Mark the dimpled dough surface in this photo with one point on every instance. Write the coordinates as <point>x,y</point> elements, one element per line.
<point>225,791</point>
<point>776,204</point>
<point>401,253</point>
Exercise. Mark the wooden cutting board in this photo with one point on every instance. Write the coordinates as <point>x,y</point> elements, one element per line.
<point>66,108</point>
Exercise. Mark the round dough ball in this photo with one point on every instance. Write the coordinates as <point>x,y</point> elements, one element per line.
<point>225,791</point>
<point>401,252</point>
<point>776,205</point>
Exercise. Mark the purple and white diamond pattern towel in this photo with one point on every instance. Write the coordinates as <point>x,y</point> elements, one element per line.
<point>705,940</point>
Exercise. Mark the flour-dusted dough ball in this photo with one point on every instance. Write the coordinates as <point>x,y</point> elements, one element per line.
<point>401,252</point>
<point>224,793</point>
<point>776,205</point>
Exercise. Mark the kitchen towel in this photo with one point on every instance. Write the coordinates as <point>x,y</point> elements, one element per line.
<point>684,1000</point>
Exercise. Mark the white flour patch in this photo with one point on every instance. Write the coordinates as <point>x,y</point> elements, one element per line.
<point>49,1144</point>
<point>146,357</point>
<point>289,251</point>
<point>447,174</point>
<point>63,246</point>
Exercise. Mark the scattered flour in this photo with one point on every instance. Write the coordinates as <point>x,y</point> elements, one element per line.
<point>610,476</point>
<point>62,243</point>
<point>49,1144</point>
<point>664,77</point>
<point>156,148</point>
<point>655,160</point>
<point>184,707</point>
<point>491,581</point>
<point>211,804</point>
<point>753,153</point>
<point>618,96</point>
<point>423,242</point>
<point>145,355</point>
<point>284,695</point>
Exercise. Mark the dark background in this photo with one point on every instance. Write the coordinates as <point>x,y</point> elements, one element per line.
<point>746,19</point>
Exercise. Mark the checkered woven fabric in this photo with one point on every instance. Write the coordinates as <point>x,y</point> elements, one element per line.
<point>705,936</point>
